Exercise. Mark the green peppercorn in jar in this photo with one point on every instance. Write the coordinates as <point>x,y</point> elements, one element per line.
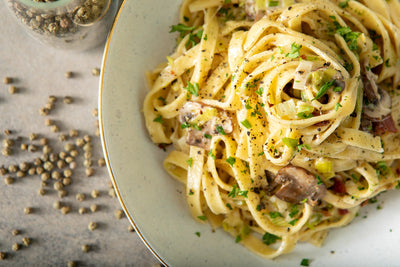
<point>71,24</point>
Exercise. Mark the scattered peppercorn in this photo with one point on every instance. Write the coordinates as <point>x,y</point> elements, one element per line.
<point>68,100</point>
<point>3,255</point>
<point>68,74</point>
<point>119,214</point>
<point>96,71</point>
<point>57,205</point>
<point>80,197</point>
<point>92,226</point>
<point>85,248</point>
<point>28,210</point>
<point>12,89</point>
<point>7,80</point>
<point>8,180</point>
<point>94,207</point>
<point>26,241</point>
<point>101,162</point>
<point>65,210</point>
<point>82,210</point>
<point>42,192</point>
<point>15,247</point>
<point>95,193</point>
<point>89,172</point>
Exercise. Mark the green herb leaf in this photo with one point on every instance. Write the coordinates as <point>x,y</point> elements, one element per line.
<point>198,234</point>
<point>231,160</point>
<point>208,136</point>
<point>238,239</point>
<point>185,125</point>
<point>203,218</point>
<point>269,239</point>
<point>295,51</point>
<point>344,4</point>
<point>182,29</point>
<point>337,106</point>
<point>294,211</point>
<point>305,262</point>
<point>275,214</point>
<point>260,91</point>
<point>220,130</point>
<point>190,162</point>
<point>324,88</point>
<point>159,119</point>
<point>192,88</point>
<point>246,124</point>
<point>304,115</point>
<point>319,181</point>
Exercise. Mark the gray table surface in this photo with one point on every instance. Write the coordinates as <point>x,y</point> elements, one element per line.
<point>39,71</point>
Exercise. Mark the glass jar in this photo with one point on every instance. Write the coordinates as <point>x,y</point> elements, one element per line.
<point>71,24</point>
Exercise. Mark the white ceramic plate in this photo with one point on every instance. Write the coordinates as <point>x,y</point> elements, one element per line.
<point>154,202</point>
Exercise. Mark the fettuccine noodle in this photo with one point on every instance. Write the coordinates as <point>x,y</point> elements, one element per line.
<point>283,115</point>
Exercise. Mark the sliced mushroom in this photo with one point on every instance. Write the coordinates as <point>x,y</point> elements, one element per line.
<point>370,87</point>
<point>377,115</point>
<point>380,107</point>
<point>298,185</point>
<point>205,121</point>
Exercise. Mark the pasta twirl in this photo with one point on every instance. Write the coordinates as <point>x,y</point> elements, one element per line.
<point>283,115</point>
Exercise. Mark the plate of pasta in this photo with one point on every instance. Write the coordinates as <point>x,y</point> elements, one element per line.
<point>256,132</point>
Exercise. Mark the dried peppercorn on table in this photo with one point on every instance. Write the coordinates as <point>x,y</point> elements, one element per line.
<point>56,204</point>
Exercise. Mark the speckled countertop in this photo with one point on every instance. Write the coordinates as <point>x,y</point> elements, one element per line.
<point>38,71</point>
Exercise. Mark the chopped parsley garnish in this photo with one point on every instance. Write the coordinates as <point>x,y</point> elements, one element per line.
<point>203,218</point>
<point>246,124</point>
<point>182,29</point>
<point>162,99</point>
<point>220,130</point>
<point>198,234</point>
<point>344,4</point>
<point>349,36</point>
<point>398,186</point>
<point>275,214</point>
<point>337,106</point>
<point>208,136</point>
<point>229,206</point>
<point>305,262</point>
<point>159,119</point>
<point>192,88</point>
<point>269,239</point>
<point>295,51</point>
<point>294,211</point>
<point>231,160</point>
<point>324,88</point>
<point>190,162</point>
<point>304,115</point>
<point>237,192</point>
<point>260,91</point>
<point>238,239</point>
<point>293,222</point>
<point>197,127</point>
<point>319,181</point>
